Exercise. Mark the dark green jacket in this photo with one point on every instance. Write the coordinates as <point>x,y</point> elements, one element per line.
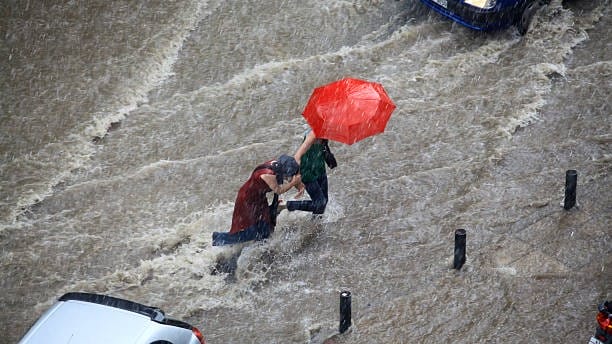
<point>312,164</point>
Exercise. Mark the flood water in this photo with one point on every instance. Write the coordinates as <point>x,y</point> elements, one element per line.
<point>126,129</point>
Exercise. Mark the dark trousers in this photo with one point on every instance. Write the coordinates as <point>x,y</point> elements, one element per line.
<point>259,231</point>
<point>317,190</point>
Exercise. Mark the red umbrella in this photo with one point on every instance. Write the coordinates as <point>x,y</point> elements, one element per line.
<point>348,110</point>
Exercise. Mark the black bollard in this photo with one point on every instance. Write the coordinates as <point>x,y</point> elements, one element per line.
<point>571,180</point>
<point>345,310</point>
<point>459,249</point>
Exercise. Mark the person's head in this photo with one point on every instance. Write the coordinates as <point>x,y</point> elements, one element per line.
<point>288,166</point>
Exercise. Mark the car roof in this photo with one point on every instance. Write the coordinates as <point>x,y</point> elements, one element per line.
<point>92,319</point>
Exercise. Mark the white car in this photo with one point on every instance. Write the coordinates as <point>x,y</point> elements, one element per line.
<point>84,318</point>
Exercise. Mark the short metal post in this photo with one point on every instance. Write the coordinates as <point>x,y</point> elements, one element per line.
<point>459,249</point>
<point>571,180</point>
<point>345,310</point>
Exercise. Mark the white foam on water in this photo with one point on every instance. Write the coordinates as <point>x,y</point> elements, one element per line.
<point>73,153</point>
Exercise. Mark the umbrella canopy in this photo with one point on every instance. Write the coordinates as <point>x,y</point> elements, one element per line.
<point>348,110</point>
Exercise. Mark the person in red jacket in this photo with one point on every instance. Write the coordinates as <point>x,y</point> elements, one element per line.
<point>253,218</point>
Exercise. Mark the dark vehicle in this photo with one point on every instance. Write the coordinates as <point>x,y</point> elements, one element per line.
<point>603,333</point>
<point>487,15</point>
<point>83,318</point>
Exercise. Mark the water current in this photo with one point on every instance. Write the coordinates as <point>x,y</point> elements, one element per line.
<point>127,127</point>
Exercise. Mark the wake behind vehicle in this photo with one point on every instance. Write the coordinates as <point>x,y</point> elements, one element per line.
<point>84,318</point>
<point>488,15</point>
<point>603,332</point>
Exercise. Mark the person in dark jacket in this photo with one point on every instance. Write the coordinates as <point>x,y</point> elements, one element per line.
<point>311,157</point>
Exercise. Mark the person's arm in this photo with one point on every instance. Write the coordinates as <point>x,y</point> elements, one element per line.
<point>308,141</point>
<point>300,188</point>
<point>270,179</point>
